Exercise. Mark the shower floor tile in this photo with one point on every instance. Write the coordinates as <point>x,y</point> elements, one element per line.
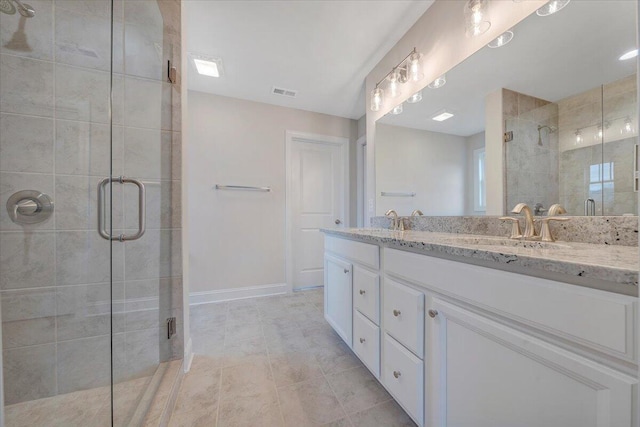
<point>274,361</point>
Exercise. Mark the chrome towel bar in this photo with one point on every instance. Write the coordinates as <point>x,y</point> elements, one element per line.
<point>242,188</point>
<point>392,194</point>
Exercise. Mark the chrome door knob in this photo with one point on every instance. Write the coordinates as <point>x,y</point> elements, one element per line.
<point>362,292</point>
<point>396,313</point>
<point>338,222</point>
<point>433,313</point>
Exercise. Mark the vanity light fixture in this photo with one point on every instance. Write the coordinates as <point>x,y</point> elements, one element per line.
<point>408,69</point>
<point>207,66</point>
<point>397,109</point>
<point>439,82</point>
<point>501,40</point>
<point>552,7</point>
<point>416,97</point>
<point>377,97</point>
<point>629,55</point>
<point>441,116</point>
<point>578,137</point>
<point>475,17</point>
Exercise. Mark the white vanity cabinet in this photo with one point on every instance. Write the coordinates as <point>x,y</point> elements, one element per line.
<point>462,345</point>
<point>337,296</point>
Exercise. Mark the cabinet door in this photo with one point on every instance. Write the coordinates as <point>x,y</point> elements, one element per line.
<point>338,309</point>
<point>485,374</point>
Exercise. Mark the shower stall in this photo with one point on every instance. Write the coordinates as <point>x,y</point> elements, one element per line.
<point>90,214</point>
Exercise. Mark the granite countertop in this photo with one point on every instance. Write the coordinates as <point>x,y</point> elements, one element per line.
<point>613,268</point>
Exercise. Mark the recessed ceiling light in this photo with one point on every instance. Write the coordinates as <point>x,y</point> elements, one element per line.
<point>207,66</point>
<point>442,116</point>
<point>631,54</point>
<point>501,40</point>
<point>552,7</point>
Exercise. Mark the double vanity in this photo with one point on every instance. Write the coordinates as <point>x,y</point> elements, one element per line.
<point>485,331</point>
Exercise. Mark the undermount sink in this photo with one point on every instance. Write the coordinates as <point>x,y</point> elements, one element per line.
<point>500,241</point>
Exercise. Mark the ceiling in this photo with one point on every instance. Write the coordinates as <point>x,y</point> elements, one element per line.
<point>550,57</point>
<point>322,49</point>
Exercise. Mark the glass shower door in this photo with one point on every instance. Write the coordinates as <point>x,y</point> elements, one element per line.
<point>87,121</point>
<point>57,275</point>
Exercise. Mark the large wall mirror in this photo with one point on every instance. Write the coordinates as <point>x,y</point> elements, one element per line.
<point>568,105</point>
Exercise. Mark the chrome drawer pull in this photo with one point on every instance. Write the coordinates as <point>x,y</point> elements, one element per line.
<point>346,271</point>
<point>362,292</point>
<point>362,340</point>
<point>396,313</point>
<point>396,374</point>
<point>433,313</point>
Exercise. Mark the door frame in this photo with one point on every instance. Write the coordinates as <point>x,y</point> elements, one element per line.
<point>309,138</point>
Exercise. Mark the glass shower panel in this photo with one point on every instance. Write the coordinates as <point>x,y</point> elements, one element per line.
<point>619,149</point>
<point>146,114</point>
<point>57,275</point>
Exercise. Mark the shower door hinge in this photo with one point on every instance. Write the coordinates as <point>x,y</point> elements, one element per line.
<point>172,73</point>
<point>171,327</point>
<point>508,136</point>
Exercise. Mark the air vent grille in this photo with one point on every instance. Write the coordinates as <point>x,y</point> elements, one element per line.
<point>284,92</point>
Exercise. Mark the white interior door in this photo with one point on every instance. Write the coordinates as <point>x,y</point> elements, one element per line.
<point>316,199</point>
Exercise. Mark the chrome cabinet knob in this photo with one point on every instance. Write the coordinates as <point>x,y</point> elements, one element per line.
<point>338,222</point>
<point>396,313</point>
<point>362,340</point>
<point>362,292</point>
<point>397,374</point>
<point>346,270</point>
<point>433,313</point>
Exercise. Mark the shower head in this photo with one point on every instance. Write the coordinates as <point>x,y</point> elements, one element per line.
<point>550,129</point>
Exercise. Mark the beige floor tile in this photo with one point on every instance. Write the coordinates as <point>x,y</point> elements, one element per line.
<point>357,389</point>
<point>255,411</point>
<point>388,414</point>
<point>201,418</point>
<point>239,331</point>
<point>200,389</point>
<point>311,403</point>
<point>246,380</point>
<point>344,422</point>
<point>294,367</point>
<point>253,350</point>
<point>335,357</point>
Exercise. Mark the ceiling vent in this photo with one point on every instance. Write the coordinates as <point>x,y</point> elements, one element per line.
<point>284,92</point>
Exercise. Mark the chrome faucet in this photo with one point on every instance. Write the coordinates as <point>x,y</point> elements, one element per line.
<point>417,212</point>
<point>545,231</point>
<point>394,218</point>
<point>529,229</point>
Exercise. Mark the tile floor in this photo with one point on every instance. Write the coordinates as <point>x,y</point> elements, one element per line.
<point>275,361</point>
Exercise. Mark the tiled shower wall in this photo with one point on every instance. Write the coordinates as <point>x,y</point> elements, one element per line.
<point>616,102</point>
<point>54,137</point>
<point>531,168</point>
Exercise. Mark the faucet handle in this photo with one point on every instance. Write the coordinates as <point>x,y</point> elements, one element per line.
<point>556,209</point>
<point>545,231</point>
<point>516,232</point>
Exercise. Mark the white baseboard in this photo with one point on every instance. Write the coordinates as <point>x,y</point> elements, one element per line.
<point>188,355</point>
<point>207,297</point>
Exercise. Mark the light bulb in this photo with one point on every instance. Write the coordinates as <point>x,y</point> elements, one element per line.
<point>439,82</point>
<point>628,125</point>
<point>394,85</point>
<point>397,109</point>
<point>416,97</point>
<point>377,98</point>
<point>415,70</point>
<point>598,135</point>
<point>475,15</point>
<point>578,137</point>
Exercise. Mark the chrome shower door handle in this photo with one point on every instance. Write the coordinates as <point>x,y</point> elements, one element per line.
<point>141,209</point>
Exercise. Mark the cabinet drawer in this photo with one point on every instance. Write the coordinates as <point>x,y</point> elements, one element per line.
<point>597,319</point>
<point>403,375</point>
<point>366,342</point>
<point>362,253</point>
<point>404,315</point>
<point>366,293</point>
